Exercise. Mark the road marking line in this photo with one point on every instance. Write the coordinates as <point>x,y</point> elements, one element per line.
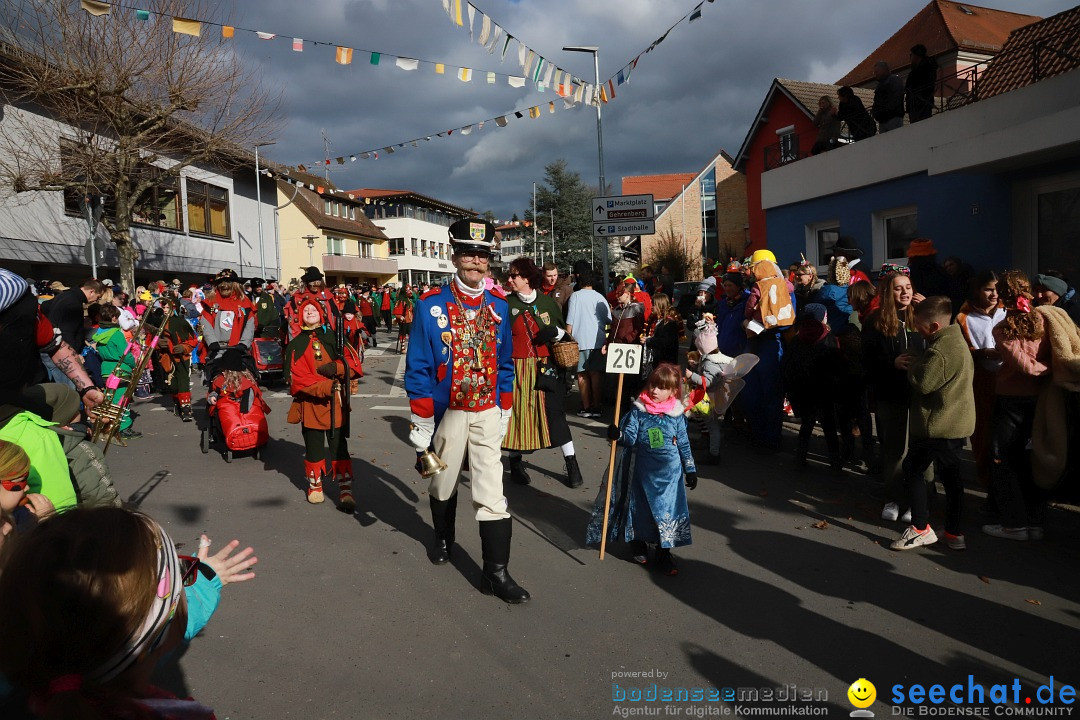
<point>390,407</point>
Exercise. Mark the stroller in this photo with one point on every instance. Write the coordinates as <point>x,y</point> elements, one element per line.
<point>269,358</point>
<point>237,418</point>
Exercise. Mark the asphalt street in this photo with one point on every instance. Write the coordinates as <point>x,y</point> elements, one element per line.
<point>788,582</point>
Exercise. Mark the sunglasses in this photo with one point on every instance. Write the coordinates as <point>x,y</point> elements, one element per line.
<point>17,484</point>
<point>189,569</point>
<point>514,275</point>
<point>483,255</point>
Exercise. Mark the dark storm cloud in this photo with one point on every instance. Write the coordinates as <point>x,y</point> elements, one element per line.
<point>696,93</point>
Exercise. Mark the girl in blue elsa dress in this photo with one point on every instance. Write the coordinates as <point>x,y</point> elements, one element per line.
<point>648,503</point>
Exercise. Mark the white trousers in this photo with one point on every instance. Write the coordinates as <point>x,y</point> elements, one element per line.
<point>479,433</point>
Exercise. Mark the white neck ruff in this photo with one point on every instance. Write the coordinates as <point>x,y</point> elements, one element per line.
<point>527,297</point>
<point>466,290</point>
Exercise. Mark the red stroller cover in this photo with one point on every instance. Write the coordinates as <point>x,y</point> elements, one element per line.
<point>242,416</point>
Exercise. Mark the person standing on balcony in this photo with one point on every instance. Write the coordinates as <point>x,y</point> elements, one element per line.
<point>828,126</point>
<point>850,109</point>
<point>888,107</point>
<point>920,84</point>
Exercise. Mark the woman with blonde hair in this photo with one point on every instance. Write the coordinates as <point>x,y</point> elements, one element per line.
<point>889,343</point>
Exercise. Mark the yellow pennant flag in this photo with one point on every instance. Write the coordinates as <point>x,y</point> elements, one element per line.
<point>534,111</point>
<point>457,14</point>
<point>186,27</point>
<point>440,68</point>
<point>464,74</point>
<point>551,106</point>
<point>97,9</point>
<point>344,55</point>
<point>227,31</point>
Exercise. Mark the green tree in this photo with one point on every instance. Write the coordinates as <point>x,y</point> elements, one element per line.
<point>566,199</point>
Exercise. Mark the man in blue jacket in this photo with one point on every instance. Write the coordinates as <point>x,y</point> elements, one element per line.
<point>460,380</point>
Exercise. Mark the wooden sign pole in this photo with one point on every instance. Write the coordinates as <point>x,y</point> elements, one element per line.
<point>610,472</point>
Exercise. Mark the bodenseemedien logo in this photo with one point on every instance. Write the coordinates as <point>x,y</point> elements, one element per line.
<point>861,695</point>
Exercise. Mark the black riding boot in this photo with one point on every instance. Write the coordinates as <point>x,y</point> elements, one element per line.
<point>517,471</point>
<point>443,518</point>
<point>573,472</point>
<point>495,541</point>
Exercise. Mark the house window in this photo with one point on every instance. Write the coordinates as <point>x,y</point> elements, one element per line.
<point>335,246</point>
<point>367,250</point>
<point>893,232</point>
<point>820,239</point>
<point>208,209</point>
<point>415,247</point>
<point>327,206</point>
<point>160,206</point>
<point>397,246</point>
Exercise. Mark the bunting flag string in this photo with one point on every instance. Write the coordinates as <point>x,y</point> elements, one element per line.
<point>501,121</point>
<point>540,71</point>
<point>343,54</point>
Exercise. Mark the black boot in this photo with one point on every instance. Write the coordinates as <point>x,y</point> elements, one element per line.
<point>573,472</point>
<point>517,471</point>
<point>495,541</point>
<point>443,518</point>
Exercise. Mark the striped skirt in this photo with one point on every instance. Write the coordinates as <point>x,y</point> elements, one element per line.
<point>528,428</point>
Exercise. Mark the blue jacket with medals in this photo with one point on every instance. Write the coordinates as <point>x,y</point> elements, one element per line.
<point>443,369</point>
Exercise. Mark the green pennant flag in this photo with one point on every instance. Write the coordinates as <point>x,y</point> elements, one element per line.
<point>142,14</point>
<point>375,58</point>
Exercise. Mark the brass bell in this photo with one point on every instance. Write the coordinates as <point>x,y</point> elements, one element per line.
<point>430,464</point>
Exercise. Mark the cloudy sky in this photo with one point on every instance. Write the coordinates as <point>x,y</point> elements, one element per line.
<point>694,94</point>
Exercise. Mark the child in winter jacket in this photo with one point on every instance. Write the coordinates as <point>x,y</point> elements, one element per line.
<point>812,370</point>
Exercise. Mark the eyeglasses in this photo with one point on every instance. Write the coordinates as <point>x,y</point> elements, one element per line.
<point>189,569</point>
<point>16,484</point>
<point>481,255</point>
<point>514,275</point>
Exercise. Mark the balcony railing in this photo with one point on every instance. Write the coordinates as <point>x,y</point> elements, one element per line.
<point>783,152</point>
<point>353,264</point>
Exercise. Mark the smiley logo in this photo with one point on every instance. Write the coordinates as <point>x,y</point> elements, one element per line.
<point>862,693</point>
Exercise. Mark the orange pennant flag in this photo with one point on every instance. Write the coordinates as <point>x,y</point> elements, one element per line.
<point>227,31</point>
<point>344,55</point>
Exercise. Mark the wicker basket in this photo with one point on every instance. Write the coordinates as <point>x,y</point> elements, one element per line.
<point>565,352</point>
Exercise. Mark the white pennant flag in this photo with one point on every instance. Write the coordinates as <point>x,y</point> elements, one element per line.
<point>494,40</point>
<point>516,81</point>
<point>485,31</point>
<point>588,94</point>
<point>446,7</point>
<point>521,53</point>
<point>472,14</point>
<point>547,75</point>
<point>466,130</point>
<point>407,63</point>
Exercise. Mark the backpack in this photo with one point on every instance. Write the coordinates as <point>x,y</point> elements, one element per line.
<point>92,365</point>
<point>88,469</point>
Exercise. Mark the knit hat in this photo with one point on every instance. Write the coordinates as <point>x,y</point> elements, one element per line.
<point>707,285</point>
<point>817,311</point>
<point>705,338</point>
<point>921,247</point>
<point>735,278</point>
<point>1051,283</point>
<point>12,288</point>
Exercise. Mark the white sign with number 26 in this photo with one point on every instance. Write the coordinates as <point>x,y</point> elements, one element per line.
<point>624,358</point>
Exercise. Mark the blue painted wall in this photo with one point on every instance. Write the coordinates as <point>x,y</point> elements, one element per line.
<point>944,205</point>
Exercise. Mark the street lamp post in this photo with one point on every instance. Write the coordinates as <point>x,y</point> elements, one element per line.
<point>310,248</point>
<point>599,140</point>
<point>258,207</point>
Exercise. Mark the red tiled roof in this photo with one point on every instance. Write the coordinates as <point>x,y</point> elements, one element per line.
<point>661,187</point>
<point>1058,39</point>
<point>942,26</point>
<point>310,203</point>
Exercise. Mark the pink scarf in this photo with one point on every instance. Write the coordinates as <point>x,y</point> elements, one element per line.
<point>654,408</point>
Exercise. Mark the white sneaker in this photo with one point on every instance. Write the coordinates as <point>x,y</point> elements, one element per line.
<point>906,517</point>
<point>891,512</point>
<point>912,538</point>
<point>1000,531</point>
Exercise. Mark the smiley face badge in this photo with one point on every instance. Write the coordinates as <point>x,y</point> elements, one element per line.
<point>862,695</point>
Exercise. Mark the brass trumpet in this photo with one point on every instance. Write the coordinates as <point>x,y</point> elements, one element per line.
<point>109,415</point>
